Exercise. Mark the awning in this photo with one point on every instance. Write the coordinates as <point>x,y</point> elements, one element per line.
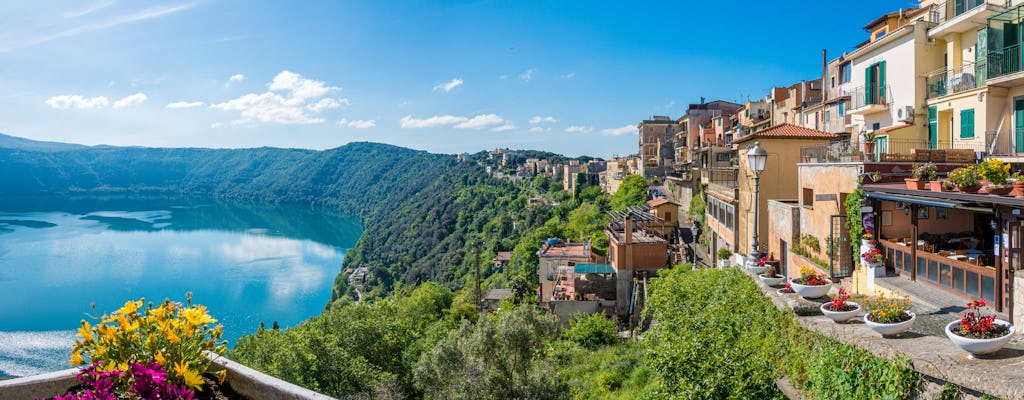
<point>594,269</point>
<point>914,200</point>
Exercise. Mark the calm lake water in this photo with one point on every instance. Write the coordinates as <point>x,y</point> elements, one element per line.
<point>247,263</point>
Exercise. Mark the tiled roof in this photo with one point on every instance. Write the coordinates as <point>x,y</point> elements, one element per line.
<point>787,131</point>
<point>891,128</point>
<point>660,201</point>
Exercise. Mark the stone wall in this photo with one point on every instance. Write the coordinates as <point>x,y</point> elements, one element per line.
<point>597,285</point>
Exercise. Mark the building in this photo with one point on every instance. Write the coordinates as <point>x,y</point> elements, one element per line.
<point>617,169</point>
<point>569,172</point>
<point>697,118</point>
<point>556,257</point>
<point>657,146</point>
<point>667,210</point>
<point>635,250</point>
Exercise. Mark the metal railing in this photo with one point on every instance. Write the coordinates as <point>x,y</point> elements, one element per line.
<point>861,97</point>
<point>836,151</point>
<point>956,79</point>
<point>836,124</point>
<point>895,150</point>
<point>953,8</point>
<point>728,177</point>
<point>1003,61</point>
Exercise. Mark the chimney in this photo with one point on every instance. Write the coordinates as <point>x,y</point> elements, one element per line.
<point>629,228</point>
<point>701,99</point>
<point>824,75</point>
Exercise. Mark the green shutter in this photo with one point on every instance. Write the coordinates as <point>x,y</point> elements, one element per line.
<point>933,127</point>
<point>867,85</point>
<point>881,83</point>
<point>967,123</point>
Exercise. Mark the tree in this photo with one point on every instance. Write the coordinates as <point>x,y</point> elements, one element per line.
<point>632,192</point>
<point>592,331</point>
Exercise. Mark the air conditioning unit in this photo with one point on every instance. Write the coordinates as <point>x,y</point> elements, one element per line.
<point>905,114</point>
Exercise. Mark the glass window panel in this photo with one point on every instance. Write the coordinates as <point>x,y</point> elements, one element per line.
<point>945,277</point>
<point>988,288</point>
<point>899,259</point>
<point>972,283</point>
<point>958,279</point>
<point>922,267</point>
<point>933,271</point>
<point>907,262</point>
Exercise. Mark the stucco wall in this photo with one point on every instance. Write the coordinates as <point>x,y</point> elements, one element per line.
<point>833,180</point>
<point>956,221</point>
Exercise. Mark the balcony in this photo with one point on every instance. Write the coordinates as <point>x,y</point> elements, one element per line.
<point>863,101</point>
<point>1005,66</point>
<point>889,151</point>
<point>837,124</point>
<point>957,16</point>
<point>949,81</point>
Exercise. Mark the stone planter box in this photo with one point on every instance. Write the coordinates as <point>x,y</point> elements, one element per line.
<point>245,381</point>
<point>979,346</point>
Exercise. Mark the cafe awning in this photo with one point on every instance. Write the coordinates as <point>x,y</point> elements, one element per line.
<point>914,200</point>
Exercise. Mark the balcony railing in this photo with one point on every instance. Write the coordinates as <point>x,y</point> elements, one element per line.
<point>954,8</point>
<point>727,177</point>
<point>1004,61</point>
<point>836,124</point>
<point>860,97</point>
<point>958,79</point>
<point>913,151</point>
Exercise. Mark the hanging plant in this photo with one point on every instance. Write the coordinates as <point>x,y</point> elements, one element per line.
<point>853,217</point>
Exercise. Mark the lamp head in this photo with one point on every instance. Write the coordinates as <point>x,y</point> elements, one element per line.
<point>756,157</point>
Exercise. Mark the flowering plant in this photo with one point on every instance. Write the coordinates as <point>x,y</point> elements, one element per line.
<point>143,380</point>
<point>873,256</point>
<point>868,236</point>
<point>173,335</point>
<point>976,325</point>
<point>770,272</point>
<point>838,302</point>
<point>811,277</point>
<point>887,309</point>
<point>787,289</point>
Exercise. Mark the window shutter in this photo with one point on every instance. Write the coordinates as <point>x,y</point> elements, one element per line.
<point>967,124</point>
<point>867,86</point>
<point>881,82</point>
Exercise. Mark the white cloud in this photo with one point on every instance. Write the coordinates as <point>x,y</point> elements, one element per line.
<point>131,100</point>
<point>538,129</point>
<point>67,102</point>
<point>538,119</point>
<point>184,104</point>
<point>234,78</point>
<point>569,75</point>
<point>363,123</point>
<point>578,129</point>
<point>527,75</point>
<point>508,126</point>
<point>481,122</point>
<point>289,101</point>
<point>477,122</point>
<point>619,131</point>
<point>436,121</point>
<point>448,86</point>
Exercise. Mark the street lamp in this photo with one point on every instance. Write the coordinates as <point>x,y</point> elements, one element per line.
<point>756,158</point>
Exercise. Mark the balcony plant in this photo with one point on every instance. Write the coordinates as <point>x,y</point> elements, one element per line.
<point>156,352</point>
<point>869,143</point>
<point>996,173</point>
<point>811,284</point>
<point>839,309</point>
<point>978,333</point>
<point>1017,182</point>
<point>770,277</point>
<point>723,256</point>
<point>967,179</point>
<point>920,175</point>
<point>889,314</point>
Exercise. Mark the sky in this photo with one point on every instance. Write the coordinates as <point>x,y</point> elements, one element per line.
<point>572,77</point>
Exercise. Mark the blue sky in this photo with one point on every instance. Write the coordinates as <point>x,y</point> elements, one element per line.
<point>572,77</point>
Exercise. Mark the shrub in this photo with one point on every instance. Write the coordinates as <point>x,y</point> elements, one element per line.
<point>811,242</point>
<point>965,177</point>
<point>591,331</point>
<point>995,171</point>
<point>724,253</point>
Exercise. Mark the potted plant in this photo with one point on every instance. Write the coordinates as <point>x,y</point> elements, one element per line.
<point>1017,182</point>
<point>839,309</point>
<point>156,352</point>
<point>868,240</point>
<point>786,290</point>
<point>771,277</point>
<point>940,186</point>
<point>996,172</point>
<point>967,179</point>
<point>869,143</point>
<point>889,315</point>
<point>810,284</point>
<point>723,257</point>
<point>921,175</point>
<point>872,258</point>
<point>979,334</point>
<point>760,266</point>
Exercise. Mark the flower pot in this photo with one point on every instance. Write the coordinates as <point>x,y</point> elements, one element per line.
<point>808,291</point>
<point>840,316</point>
<point>979,346</point>
<point>915,184</point>
<point>936,186</point>
<point>772,281</point>
<point>1018,189</point>
<point>869,147</point>
<point>724,263</point>
<point>969,189</point>
<point>867,243</point>
<point>998,190</point>
<point>758,270</point>
<point>891,329</point>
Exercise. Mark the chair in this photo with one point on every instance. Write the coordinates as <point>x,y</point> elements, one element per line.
<point>960,252</point>
<point>944,253</point>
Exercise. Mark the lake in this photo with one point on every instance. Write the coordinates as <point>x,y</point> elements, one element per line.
<point>248,263</point>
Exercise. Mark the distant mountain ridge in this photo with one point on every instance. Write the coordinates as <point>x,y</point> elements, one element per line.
<point>14,142</point>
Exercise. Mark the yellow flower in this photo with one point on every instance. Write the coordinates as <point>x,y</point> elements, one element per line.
<point>197,315</point>
<point>192,378</point>
<point>76,359</point>
<point>106,332</point>
<point>222,375</point>
<point>159,357</point>
<point>130,307</point>
<point>85,331</point>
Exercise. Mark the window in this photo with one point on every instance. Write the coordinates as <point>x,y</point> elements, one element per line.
<point>880,34</point>
<point>807,199</point>
<point>833,81</point>
<point>876,126</point>
<point>967,123</point>
<point>719,122</point>
<point>842,108</point>
<point>844,73</point>
<point>746,113</point>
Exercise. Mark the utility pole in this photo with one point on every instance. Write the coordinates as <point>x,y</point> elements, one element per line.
<point>478,244</point>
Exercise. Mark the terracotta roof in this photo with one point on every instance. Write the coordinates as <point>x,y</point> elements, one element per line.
<point>504,256</point>
<point>787,131</point>
<point>658,202</point>
<point>892,128</point>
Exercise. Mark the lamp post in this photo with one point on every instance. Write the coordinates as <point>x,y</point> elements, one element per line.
<point>756,158</point>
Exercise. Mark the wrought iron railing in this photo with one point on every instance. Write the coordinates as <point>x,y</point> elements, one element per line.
<point>862,97</point>
<point>953,8</point>
<point>1004,61</point>
<point>885,150</point>
<point>956,79</point>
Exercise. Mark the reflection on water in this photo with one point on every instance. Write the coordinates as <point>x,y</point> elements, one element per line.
<point>247,263</point>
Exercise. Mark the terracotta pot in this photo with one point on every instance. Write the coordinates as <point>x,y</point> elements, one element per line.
<point>1018,189</point>
<point>999,190</point>
<point>915,184</point>
<point>869,147</point>
<point>969,189</point>
<point>936,186</point>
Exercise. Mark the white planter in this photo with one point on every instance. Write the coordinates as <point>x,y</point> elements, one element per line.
<point>891,329</point>
<point>979,346</point>
<point>866,243</point>
<point>758,270</point>
<point>723,263</point>
<point>840,316</point>
<point>808,291</point>
<point>773,281</point>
